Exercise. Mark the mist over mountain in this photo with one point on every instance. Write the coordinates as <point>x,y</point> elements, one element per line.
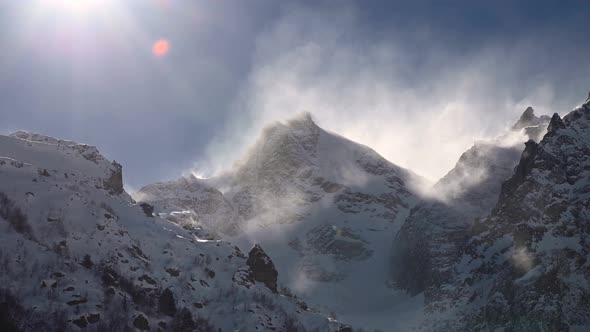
<point>341,237</point>
<point>307,231</point>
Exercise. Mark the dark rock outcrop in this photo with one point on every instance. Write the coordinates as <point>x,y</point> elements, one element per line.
<point>114,184</point>
<point>93,318</point>
<point>81,322</point>
<point>167,303</point>
<point>141,323</point>
<point>87,262</point>
<point>262,267</point>
<point>555,124</point>
<point>523,168</point>
<point>184,321</point>
<point>147,209</point>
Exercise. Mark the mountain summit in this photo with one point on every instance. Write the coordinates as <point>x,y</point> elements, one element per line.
<point>529,119</point>
<point>324,208</point>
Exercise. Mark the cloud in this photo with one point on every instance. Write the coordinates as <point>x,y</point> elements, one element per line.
<point>522,259</point>
<point>408,96</point>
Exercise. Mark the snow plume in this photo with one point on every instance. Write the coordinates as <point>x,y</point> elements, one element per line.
<point>486,163</point>
<point>522,259</point>
<point>405,96</point>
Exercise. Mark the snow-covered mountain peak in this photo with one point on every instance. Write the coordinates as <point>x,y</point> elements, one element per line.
<point>529,119</point>
<point>325,209</point>
<point>294,141</point>
<point>299,145</point>
<point>302,119</point>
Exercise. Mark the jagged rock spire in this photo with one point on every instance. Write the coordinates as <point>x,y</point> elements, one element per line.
<point>528,113</point>
<point>556,123</point>
<point>527,119</point>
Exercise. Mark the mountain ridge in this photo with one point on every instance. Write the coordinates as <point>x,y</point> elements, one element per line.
<point>344,229</point>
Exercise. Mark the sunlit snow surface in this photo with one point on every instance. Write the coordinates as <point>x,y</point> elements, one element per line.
<point>69,215</point>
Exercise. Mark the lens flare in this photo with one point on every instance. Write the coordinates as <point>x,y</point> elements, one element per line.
<point>161,48</point>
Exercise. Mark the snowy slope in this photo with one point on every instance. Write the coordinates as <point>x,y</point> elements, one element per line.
<point>77,252</point>
<point>326,210</point>
<point>66,156</point>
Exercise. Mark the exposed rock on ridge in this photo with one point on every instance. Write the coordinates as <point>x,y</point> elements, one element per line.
<point>262,267</point>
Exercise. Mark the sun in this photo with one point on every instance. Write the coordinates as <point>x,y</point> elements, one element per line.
<point>74,6</point>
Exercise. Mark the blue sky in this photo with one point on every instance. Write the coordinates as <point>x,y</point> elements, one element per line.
<point>417,80</point>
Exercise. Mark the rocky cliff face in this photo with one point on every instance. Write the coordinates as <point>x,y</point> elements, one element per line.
<point>525,266</point>
<point>429,244</point>
<point>114,183</point>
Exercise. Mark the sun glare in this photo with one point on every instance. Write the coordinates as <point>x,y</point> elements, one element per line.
<point>74,6</point>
